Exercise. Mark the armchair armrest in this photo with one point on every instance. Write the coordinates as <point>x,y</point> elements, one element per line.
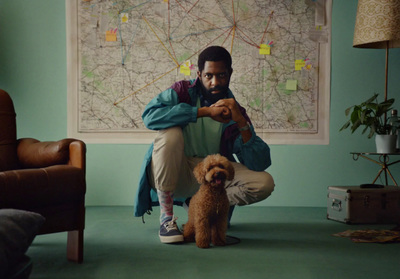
<point>33,153</point>
<point>77,154</point>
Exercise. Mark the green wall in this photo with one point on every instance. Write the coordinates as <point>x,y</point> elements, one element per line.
<point>33,71</point>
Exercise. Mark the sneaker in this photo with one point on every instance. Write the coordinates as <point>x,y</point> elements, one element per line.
<point>170,233</point>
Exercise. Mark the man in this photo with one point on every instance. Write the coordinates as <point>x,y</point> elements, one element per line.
<point>194,119</point>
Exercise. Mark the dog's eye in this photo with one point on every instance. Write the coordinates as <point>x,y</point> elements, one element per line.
<point>221,166</point>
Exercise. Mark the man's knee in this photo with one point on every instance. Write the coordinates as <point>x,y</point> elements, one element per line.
<point>267,185</point>
<point>254,187</point>
<point>170,138</point>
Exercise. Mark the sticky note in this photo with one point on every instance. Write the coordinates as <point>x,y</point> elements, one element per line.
<point>291,84</point>
<point>265,49</point>
<point>298,64</point>
<point>124,17</point>
<point>185,68</point>
<point>111,36</point>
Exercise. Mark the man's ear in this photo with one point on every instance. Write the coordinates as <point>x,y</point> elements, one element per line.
<point>199,74</point>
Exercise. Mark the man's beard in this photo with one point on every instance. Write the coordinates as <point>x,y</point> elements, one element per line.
<point>213,98</point>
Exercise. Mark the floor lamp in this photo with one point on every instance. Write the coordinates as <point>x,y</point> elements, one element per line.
<point>378,26</point>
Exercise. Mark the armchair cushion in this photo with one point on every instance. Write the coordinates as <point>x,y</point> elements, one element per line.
<point>18,228</point>
<point>34,188</point>
<point>37,154</point>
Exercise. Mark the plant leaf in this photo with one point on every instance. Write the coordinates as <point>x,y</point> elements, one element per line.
<point>345,126</point>
<point>355,126</point>
<point>374,97</point>
<point>347,111</point>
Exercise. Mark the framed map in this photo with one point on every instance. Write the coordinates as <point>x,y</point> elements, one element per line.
<point>122,53</point>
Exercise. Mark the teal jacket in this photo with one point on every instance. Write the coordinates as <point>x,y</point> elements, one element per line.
<point>176,106</point>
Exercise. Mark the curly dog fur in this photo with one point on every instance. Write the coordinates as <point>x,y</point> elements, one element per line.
<point>208,209</point>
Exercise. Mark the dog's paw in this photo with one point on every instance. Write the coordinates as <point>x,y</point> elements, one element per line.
<point>203,244</point>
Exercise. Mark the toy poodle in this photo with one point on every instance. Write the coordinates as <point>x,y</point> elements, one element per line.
<point>208,208</point>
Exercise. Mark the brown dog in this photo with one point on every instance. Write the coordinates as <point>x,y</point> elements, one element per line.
<point>208,208</point>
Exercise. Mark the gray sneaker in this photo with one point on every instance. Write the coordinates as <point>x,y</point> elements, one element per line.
<point>170,233</point>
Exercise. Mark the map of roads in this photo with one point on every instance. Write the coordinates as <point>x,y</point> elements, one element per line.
<point>131,50</point>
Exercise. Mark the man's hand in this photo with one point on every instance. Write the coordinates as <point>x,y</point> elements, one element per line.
<point>221,113</point>
<point>236,116</point>
<point>231,104</point>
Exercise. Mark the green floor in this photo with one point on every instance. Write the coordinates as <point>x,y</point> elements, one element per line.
<point>276,242</point>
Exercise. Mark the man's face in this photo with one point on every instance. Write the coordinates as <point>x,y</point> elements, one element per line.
<point>215,79</point>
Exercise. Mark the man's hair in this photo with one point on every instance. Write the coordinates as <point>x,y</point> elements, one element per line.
<point>214,53</point>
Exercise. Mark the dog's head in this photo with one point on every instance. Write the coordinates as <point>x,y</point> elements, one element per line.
<point>214,170</point>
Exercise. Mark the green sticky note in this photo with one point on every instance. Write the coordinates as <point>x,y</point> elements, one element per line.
<point>291,84</point>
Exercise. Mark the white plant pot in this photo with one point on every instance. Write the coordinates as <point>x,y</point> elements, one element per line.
<point>385,143</point>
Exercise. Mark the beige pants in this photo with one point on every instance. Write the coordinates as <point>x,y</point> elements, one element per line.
<point>172,171</point>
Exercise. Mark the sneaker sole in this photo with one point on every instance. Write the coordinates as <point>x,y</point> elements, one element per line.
<point>171,239</point>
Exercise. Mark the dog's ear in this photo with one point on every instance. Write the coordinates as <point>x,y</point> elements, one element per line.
<point>199,173</point>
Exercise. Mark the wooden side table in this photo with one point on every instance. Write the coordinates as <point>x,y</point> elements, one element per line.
<point>383,161</point>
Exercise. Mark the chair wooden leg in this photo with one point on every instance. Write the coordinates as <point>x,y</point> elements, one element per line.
<point>75,246</point>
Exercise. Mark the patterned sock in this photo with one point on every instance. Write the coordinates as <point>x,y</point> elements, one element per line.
<point>166,200</point>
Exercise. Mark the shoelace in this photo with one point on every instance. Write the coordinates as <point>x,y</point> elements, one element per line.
<point>171,225</point>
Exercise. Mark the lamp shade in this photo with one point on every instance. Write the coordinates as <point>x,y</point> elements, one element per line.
<point>377,24</point>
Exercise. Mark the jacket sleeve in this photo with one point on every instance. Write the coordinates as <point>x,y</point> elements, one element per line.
<point>165,111</point>
<point>254,154</point>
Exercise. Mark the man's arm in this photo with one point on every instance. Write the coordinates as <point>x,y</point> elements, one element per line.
<point>236,116</point>
<point>166,111</point>
<point>250,149</point>
<point>254,154</point>
<point>221,114</point>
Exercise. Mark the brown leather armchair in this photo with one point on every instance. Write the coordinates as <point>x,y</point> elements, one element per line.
<point>44,177</point>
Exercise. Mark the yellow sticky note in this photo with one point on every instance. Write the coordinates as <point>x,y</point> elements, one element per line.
<point>291,84</point>
<point>111,36</point>
<point>185,70</point>
<point>265,49</point>
<point>298,64</point>
<point>124,17</point>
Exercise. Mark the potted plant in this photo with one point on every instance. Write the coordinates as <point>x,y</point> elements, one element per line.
<point>372,115</point>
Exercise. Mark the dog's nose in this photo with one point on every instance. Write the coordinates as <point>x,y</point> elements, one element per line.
<point>220,175</point>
